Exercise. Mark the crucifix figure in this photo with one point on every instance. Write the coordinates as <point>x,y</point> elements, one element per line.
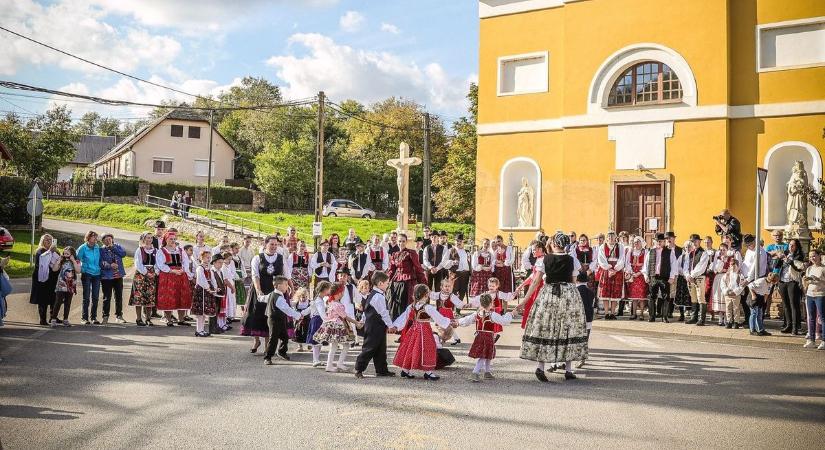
<point>402,166</point>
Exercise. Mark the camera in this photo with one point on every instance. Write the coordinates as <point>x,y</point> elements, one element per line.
<point>718,218</point>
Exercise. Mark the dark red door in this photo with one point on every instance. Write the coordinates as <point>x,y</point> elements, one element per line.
<point>636,204</point>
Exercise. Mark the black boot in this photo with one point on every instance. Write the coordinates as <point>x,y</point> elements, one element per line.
<point>703,313</point>
<point>665,309</point>
<point>694,314</point>
<point>652,304</point>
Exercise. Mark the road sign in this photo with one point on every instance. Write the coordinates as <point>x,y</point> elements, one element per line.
<point>761,178</point>
<point>36,192</point>
<point>316,229</point>
<point>35,207</point>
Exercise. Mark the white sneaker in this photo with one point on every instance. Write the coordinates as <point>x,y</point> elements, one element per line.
<point>53,323</point>
<point>317,364</point>
<point>808,344</point>
<point>120,320</point>
<point>84,322</point>
<point>66,323</point>
<point>821,346</point>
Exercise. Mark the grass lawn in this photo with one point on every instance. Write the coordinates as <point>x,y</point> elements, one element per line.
<point>133,217</point>
<point>19,264</point>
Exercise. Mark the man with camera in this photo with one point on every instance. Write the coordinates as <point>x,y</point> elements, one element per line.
<point>727,225</point>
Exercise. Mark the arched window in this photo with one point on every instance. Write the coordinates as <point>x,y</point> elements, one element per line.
<point>649,82</point>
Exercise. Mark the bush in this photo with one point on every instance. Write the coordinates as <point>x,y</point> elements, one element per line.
<point>102,213</point>
<point>119,187</point>
<point>14,193</point>
<point>220,194</point>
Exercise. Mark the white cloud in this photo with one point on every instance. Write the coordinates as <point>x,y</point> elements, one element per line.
<point>389,28</point>
<point>347,73</point>
<point>352,21</point>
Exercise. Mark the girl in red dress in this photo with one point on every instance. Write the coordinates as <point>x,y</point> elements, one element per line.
<point>536,277</point>
<point>636,283</point>
<point>447,302</point>
<point>610,257</point>
<point>499,299</point>
<point>174,291</point>
<point>503,266</point>
<point>484,344</point>
<point>418,348</point>
<point>482,265</point>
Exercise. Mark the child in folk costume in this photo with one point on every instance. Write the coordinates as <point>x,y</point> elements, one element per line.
<point>682,299</point>
<point>317,311</point>
<point>377,323</point>
<point>66,285</point>
<point>535,277</point>
<point>277,313</point>
<point>379,256</point>
<point>240,274</point>
<point>503,265</point>
<point>299,262</point>
<point>499,301</point>
<point>360,264</point>
<point>731,287</point>
<point>710,275</point>
<point>349,299</point>
<point>205,301</point>
<point>724,256</point>
<point>446,302</point>
<point>610,260</point>
<point>228,306</point>
<point>301,325</point>
<point>144,283</point>
<point>174,291</point>
<point>637,289</point>
<point>482,269</point>
<point>484,344</point>
<point>336,329</point>
<point>418,350</point>
<point>217,322</point>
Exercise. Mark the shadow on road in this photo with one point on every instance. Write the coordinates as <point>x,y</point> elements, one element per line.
<point>31,412</point>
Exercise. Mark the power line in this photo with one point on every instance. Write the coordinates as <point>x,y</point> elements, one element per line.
<point>100,65</point>
<point>340,109</point>
<point>16,105</point>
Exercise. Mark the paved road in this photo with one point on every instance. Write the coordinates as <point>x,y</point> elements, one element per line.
<point>120,386</point>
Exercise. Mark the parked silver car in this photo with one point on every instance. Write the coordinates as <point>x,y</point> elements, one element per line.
<point>346,208</point>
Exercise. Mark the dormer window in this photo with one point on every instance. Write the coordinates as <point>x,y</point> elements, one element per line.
<point>646,83</point>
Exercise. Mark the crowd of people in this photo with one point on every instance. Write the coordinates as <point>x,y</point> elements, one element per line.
<point>350,293</point>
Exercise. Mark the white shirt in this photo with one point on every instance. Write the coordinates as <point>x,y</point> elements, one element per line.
<point>46,259</point>
<point>604,263</point>
<point>326,272</point>
<point>657,253</point>
<point>438,295</point>
<point>431,310</point>
<point>700,268</point>
<point>463,264</point>
<point>525,258</point>
<point>592,265</point>
<point>495,317</point>
<point>368,266</point>
<point>280,303</point>
<point>475,264</point>
<point>256,260</point>
<point>160,261</point>
<point>731,282</point>
<point>138,259</point>
<point>201,280</point>
<point>385,260</point>
<point>431,264</point>
<point>760,286</point>
<point>349,303</point>
<point>198,249</point>
<point>749,264</point>
<point>379,304</point>
<point>504,296</point>
<point>246,255</point>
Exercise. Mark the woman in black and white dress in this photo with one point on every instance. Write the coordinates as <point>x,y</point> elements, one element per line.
<point>556,331</point>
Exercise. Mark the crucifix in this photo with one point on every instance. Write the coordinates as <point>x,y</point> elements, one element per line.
<point>402,166</point>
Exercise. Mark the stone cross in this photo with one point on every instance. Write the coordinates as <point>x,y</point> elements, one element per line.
<point>402,166</point>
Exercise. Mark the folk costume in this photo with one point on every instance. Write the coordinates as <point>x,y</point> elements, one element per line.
<point>174,290</point>
<point>376,321</point>
<point>418,348</point>
<point>435,259</point>
<point>300,269</point>
<point>637,288</point>
<point>264,269</point>
<point>144,283</point>
<point>723,260</point>
<point>361,266</point>
<point>205,302</point>
<point>503,268</point>
<point>611,287</point>
<point>405,272</point>
<point>482,271</point>
<point>321,272</point>
<point>240,274</point>
<point>277,311</point>
<point>228,273</point>
<point>446,303</point>
<point>661,266</point>
<point>335,330</point>
<point>536,277</point>
<point>460,271</point>
<point>498,305</point>
<point>379,257</point>
<point>695,265</point>
<point>484,343</point>
<point>301,324</point>
<point>217,322</point>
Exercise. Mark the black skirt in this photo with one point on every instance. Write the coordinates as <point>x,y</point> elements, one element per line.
<point>254,322</point>
<point>398,299</point>
<point>42,293</point>
<point>682,297</point>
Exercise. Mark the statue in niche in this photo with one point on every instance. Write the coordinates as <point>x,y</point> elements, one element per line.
<point>797,206</point>
<point>525,205</point>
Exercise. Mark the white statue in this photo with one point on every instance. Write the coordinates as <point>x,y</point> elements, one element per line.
<point>525,205</point>
<point>402,165</point>
<point>797,188</point>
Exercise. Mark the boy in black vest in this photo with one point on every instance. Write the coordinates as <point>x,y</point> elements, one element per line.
<point>659,274</point>
<point>277,310</point>
<point>377,323</point>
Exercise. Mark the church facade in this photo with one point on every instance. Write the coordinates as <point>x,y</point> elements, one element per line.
<point>643,115</point>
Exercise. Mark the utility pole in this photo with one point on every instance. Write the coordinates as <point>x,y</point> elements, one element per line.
<point>319,170</point>
<point>426,216</point>
<point>209,162</point>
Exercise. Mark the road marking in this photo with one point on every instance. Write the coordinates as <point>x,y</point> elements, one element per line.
<point>635,341</point>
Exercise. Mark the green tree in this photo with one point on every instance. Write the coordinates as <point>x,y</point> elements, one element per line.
<point>42,145</point>
<point>109,127</point>
<point>456,181</point>
<point>88,123</point>
<point>282,170</point>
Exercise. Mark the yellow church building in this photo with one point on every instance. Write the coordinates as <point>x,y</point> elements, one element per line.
<point>645,115</point>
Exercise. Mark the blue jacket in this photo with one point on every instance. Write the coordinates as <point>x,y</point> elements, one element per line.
<point>109,255</point>
<point>89,258</point>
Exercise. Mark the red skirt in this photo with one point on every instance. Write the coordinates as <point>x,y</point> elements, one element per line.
<point>173,292</point>
<point>709,290</point>
<point>478,282</point>
<point>610,288</point>
<point>417,350</point>
<point>447,312</point>
<point>484,346</point>
<point>529,304</point>
<point>637,289</point>
<point>505,278</point>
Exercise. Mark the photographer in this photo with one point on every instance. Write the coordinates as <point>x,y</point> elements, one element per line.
<point>727,225</point>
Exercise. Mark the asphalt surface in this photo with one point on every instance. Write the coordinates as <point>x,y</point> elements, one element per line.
<point>119,386</point>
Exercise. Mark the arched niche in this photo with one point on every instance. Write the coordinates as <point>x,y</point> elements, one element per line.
<point>615,65</point>
<point>779,162</point>
<point>510,184</point>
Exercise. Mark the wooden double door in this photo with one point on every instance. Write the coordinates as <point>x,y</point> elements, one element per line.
<point>639,208</point>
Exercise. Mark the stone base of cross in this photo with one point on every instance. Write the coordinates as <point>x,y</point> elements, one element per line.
<point>402,166</point>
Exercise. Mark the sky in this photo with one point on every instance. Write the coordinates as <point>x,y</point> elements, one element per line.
<point>366,50</point>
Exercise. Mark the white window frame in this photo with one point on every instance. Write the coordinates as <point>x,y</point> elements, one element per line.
<point>207,162</point>
<point>510,58</point>
<point>785,24</point>
<point>163,158</point>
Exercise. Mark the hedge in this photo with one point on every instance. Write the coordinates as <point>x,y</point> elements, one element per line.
<point>220,194</point>
<point>119,187</point>
<point>102,213</point>
<point>14,192</point>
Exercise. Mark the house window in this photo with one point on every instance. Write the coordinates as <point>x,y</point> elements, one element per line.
<point>202,167</point>
<point>649,82</point>
<point>523,74</point>
<point>162,166</point>
<point>195,132</point>
<point>791,45</point>
<point>177,130</point>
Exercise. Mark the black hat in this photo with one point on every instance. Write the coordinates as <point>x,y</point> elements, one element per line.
<point>748,238</point>
<point>695,237</point>
<point>670,234</point>
<point>419,239</point>
<point>217,256</point>
<point>660,236</point>
<point>160,224</point>
<point>343,269</point>
<point>360,244</point>
<point>442,233</point>
<point>459,236</point>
